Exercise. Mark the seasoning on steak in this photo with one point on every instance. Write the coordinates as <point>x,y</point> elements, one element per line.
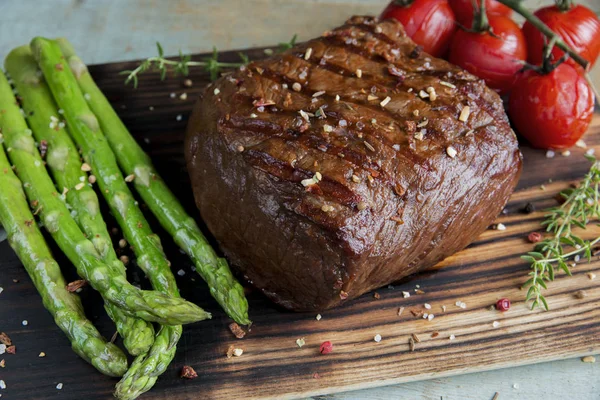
<point>348,162</point>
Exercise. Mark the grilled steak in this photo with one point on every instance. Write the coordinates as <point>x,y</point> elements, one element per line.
<point>348,162</point>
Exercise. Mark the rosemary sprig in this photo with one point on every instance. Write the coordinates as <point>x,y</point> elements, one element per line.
<point>580,206</point>
<point>181,66</point>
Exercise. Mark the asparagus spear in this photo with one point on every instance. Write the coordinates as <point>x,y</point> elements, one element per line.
<point>66,168</point>
<point>86,132</point>
<point>28,242</point>
<point>161,201</point>
<point>148,305</point>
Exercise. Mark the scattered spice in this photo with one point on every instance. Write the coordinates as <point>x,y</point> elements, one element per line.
<point>188,83</point>
<point>452,337</point>
<point>4,339</point>
<point>415,337</point>
<point>122,243</point>
<point>2,363</point>
<point>503,304</point>
<point>580,294</point>
<point>237,331</point>
<point>129,178</point>
<point>385,101</point>
<point>435,334</point>
<point>451,151</point>
<point>230,351</point>
<point>496,395</point>
<point>464,114</point>
<point>326,347</point>
<point>591,276</point>
<point>11,349</point>
<point>308,53</point>
<point>297,87</point>
<point>495,324</point>
<point>400,311</point>
<point>377,338</point>
<point>238,352</point>
<point>376,295</point>
<point>86,167</point>
<point>419,291</point>
<point>529,208</point>
<point>500,227</point>
<point>361,206</point>
<point>405,294</point>
<point>534,237</point>
<point>359,73</point>
<point>124,260</point>
<point>42,355</point>
<point>411,344</point>
<point>589,359</point>
<point>316,375</point>
<point>343,295</point>
<point>300,342</point>
<point>188,372</point>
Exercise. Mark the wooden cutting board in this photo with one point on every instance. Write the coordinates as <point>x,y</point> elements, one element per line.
<point>272,365</point>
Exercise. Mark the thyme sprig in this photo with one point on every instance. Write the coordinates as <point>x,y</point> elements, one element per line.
<point>181,66</point>
<point>580,206</point>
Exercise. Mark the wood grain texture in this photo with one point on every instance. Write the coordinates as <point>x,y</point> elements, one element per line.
<point>272,365</point>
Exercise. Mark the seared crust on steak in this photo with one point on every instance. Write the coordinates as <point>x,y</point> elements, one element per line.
<point>348,162</point>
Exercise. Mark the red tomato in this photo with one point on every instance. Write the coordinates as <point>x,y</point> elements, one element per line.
<point>579,27</point>
<point>494,59</point>
<point>463,10</point>
<point>429,23</point>
<point>554,110</point>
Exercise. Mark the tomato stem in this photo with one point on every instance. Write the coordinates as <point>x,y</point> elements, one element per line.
<point>519,8</point>
<point>403,3</point>
<point>564,5</point>
<point>480,20</point>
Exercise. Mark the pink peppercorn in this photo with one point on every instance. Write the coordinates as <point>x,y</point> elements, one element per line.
<point>326,347</point>
<point>503,304</point>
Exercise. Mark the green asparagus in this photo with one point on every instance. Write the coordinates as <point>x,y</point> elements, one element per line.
<point>68,172</point>
<point>161,201</point>
<point>147,247</point>
<point>148,305</point>
<point>28,242</point>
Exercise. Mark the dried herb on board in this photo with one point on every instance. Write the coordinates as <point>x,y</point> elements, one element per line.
<point>182,66</point>
<point>581,205</point>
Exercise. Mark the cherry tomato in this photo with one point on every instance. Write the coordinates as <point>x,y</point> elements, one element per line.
<point>429,23</point>
<point>463,10</point>
<point>496,59</point>
<point>579,27</point>
<point>554,110</point>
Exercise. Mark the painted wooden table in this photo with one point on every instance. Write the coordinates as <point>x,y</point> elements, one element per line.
<point>111,30</point>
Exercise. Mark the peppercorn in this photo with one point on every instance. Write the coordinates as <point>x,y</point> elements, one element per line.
<point>529,208</point>
<point>326,347</point>
<point>503,304</point>
<point>534,237</point>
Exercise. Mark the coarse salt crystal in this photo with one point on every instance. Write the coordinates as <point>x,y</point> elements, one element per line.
<point>359,73</point>
<point>430,317</point>
<point>216,91</point>
<point>550,154</point>
<point>59,386</point>
<point>495,324</point>
<point>308,53</point>
<point>566,153</point>
<point>405,294</point>
<point>172,95</point>
<point>427,306</point>
<point>2,348</point>
<point>581,143</point>
<point>451,151</point>
<point>377,338</point>
<point>238,352</point>
<point>181,272</point>
<point>25,323</point>
<point>300,342</point>
<point>1,289</point>
<point>464,114</point>
<point>179,117</point>
<point>318,317</point>
<point>452,337</point>
<point>2,384</point>
<point>500,227</point>
<point>319,93</point>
